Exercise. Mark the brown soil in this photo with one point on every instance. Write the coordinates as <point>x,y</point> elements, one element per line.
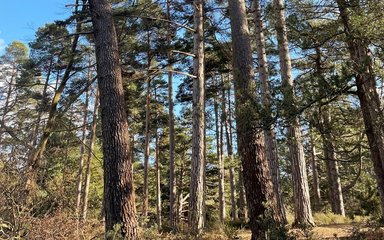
<point>333,231</point>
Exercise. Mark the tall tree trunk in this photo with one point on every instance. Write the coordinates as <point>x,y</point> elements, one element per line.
<point>157,168</point>
<point>172,180</point>
<point>119,196</point>
<point>226,118</point>
<point>262,203</point>
<point>315,173</point>
<point>302,203</point>
<point>219,155</point>
<point>147,142</point>
<point>269,133</point>
<point>79,181</point>
<point>92,137</point>
<point>366,90</point>
<point>336,194</point>
<point>158,182</point>
<point>197,188</point>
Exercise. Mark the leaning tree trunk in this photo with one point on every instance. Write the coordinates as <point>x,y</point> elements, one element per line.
<point>197,187</point>
<point>302,204</point>
<point>366,90</point>
<point>35,155</point>
<point>79,181</point>
<point>269,133</point>
<point>262,203</point>
<point>119,196</point>
<point>89,158</point>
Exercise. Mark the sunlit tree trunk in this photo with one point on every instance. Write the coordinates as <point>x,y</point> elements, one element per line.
<point>79,181</point>
<point>197,187</point>
<point>315,172</point>
<point>269,133</point>
<point>370,103</point>
<point>336,194</point>
<point>147,138</point>
<point>120,209</point>
<point>302,204</point>
<point>219,155</point>
<point>226,118</point>
<point>171,124</point>
<point>89,158</point>
<point>261,200</point>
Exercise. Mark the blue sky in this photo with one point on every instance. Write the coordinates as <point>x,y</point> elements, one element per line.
<point>19,19</point>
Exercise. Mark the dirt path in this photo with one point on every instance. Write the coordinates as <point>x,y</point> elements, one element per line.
<point>333,231</point>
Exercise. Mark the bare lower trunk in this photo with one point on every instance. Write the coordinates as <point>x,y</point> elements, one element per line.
<point>219,155</point>
<point>158,183</point>
<point>147,147</point>
<point>302,204</point>
<point>79,182</point>
<point>197,187</point>
<point>336,194</point>
<point>89,158</point>
<point>226,120</point>
<point>269,134</point>
<point>120,209</point>
<point>261,200</point>
<point>315,174</point>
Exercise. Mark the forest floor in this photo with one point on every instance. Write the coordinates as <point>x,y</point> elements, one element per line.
<point>333,231</point>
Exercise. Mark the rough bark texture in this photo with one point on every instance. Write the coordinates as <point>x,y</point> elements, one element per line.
<point>147,147</point>
<point>171,124</point>
<point>226,121</point>
<point>366,90</point>
<point>158,183</point>
<point>262,204</point>
<point>219,155</point>
<point>269,133</point>
<point>315,173</point>
<point>118,184</point>
<point>334,183</point>
<point>197,188</point>
<point>89,158</point>
<point>79,182</point>
<point>302,204</point>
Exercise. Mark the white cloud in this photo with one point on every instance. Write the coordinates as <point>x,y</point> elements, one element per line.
<point>2,46</point>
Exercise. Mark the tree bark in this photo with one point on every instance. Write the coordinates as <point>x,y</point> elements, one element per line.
<point>119,196</point>
<point>171,123</point>
<point>226,121</point>
<point>219,155</point>
<point>302,204</point>
<point>269,133</point>
<point>370,103</point>
<point>197,188</point>
<point>147,143</point>
<point>158,182</point>
<point>261,200</point>
<point>89,158</point>
<point>315,172</point>
<point>336,194</point>
<point>79,181</point>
